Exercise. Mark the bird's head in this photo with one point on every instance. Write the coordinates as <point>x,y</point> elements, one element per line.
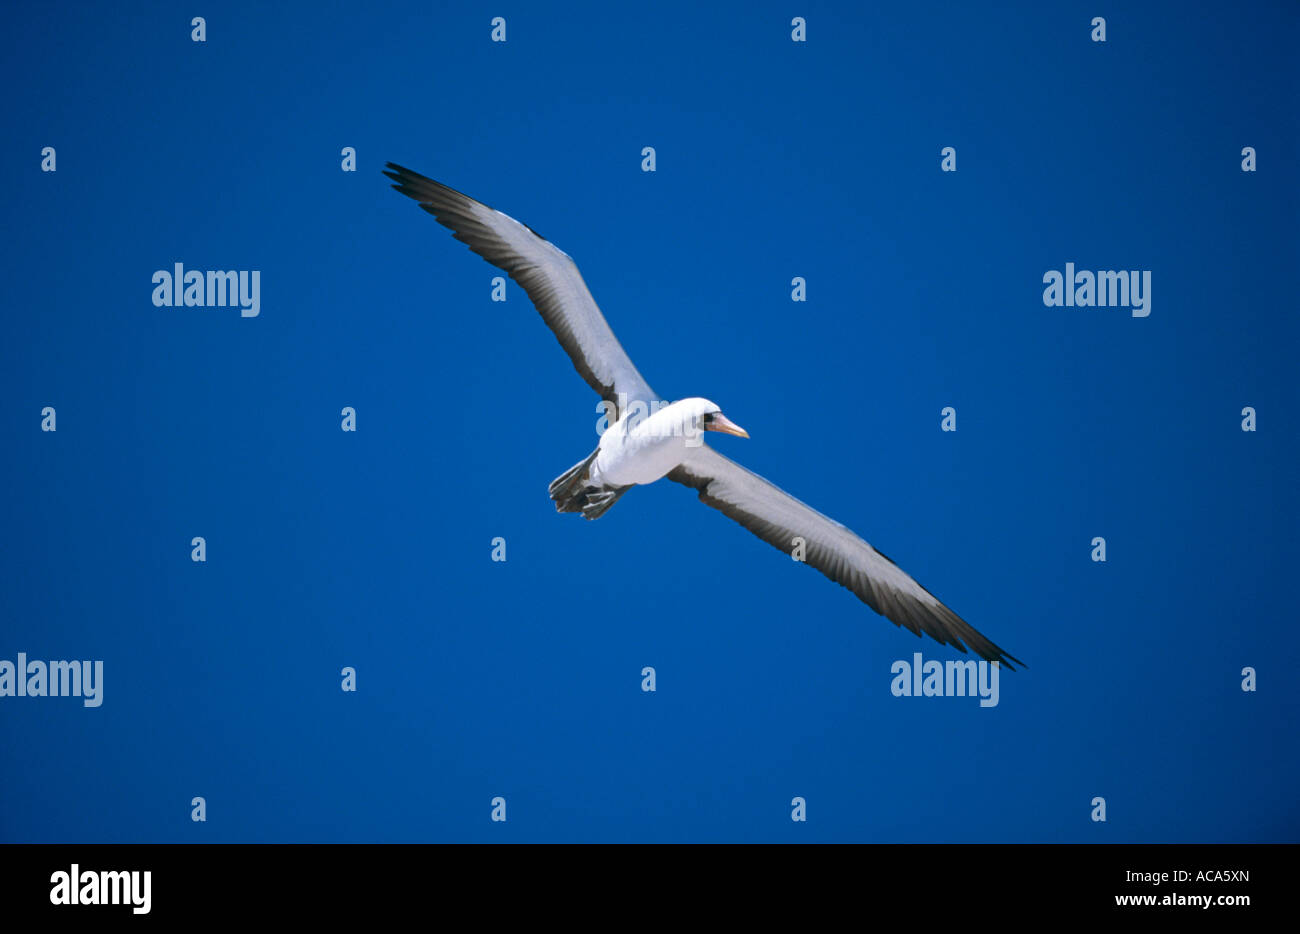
<point>707,416</point>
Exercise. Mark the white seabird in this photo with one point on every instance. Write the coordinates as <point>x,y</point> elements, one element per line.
<point>643,445</point>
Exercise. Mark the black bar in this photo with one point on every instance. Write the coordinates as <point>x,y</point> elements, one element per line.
<point>371,882</point>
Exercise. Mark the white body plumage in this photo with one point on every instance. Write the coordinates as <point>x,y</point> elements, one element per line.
<point>640,449</point>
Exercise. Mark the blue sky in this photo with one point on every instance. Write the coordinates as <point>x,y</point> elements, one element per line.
<point>522,679</point>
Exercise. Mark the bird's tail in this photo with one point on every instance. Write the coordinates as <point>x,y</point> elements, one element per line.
<point>573,491</point>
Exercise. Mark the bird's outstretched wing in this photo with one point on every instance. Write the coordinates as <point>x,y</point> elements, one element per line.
<point>778,519</point>
<point>545,272</point>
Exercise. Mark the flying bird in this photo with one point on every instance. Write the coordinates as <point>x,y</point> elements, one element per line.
<point>647,440</point>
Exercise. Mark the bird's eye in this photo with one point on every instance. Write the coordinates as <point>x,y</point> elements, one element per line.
<point>708,418</point>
